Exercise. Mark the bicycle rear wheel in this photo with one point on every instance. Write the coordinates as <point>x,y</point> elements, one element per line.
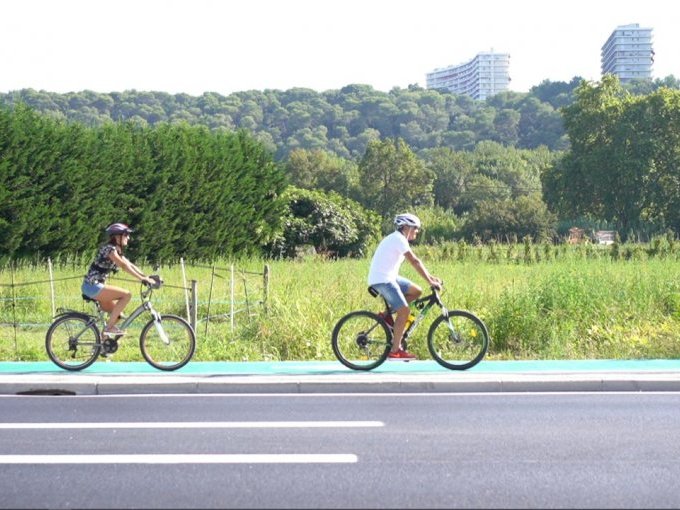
<point>168,345</point>
<point>458,341</point>
<point>361,340</point>
<point>72,342</point>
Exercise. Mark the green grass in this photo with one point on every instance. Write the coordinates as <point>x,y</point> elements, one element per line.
<point>538,303</point>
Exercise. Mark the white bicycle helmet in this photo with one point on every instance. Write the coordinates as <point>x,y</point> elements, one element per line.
<point>407,219</point>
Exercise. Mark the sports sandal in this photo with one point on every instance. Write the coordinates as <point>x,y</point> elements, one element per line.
<point>114,331</point>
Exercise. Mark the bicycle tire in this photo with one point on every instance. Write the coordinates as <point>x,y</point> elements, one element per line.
<point>71,336</point>
<point>352,344</point>
<point>461,348</point>
<point>170,356</point>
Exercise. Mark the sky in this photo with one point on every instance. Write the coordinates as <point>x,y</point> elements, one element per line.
<point>226,46</point>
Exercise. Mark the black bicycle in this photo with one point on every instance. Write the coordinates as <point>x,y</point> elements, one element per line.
<point>74,340</point>
<point>457,339</point>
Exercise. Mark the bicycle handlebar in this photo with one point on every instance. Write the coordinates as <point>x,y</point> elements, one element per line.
<point>158,281</point>
<point>150,287</point>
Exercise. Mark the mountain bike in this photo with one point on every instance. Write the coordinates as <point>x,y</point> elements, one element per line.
<point>457,339</point>
<point>74,340</point>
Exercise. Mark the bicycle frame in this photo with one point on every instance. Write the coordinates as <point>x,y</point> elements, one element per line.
<point>146,306</point>
<point>100,318</point>
<point>423,304</point>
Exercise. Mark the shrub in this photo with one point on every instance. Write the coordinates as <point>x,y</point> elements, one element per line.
<point>332,224</point>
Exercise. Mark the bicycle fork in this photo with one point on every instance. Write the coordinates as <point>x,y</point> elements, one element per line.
<point>453,336</point>
<point>158,324</point>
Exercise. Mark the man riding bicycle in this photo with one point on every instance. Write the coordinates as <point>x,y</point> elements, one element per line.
<point>398,291</point>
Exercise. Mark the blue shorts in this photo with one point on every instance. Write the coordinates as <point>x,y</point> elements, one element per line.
<point>91,290</point>
<point>393,292</point>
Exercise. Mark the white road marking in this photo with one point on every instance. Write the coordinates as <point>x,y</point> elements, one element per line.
<point>341,458</point>
<point>193,425</point>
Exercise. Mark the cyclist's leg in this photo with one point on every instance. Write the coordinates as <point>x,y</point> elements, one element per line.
<point>410,290</point>
<point>113,300</point>
<point>394,295</point>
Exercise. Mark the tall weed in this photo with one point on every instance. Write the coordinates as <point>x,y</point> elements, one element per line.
<point>561,302</point>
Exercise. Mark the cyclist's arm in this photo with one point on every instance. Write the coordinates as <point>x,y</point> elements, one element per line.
<point>127,266</point>
<point>418,265</point>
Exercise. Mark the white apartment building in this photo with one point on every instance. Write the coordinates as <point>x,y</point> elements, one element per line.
<point>628,53</point>
<point>484,76</point>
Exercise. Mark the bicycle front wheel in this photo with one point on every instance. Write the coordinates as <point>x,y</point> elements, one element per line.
<point>361,340</point>
<point>168,344</point>
<point>458,341</point>
<point>72,342</point>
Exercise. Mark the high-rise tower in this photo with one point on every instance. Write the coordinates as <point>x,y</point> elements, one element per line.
<point>628,53</point>
<point>482,77</point>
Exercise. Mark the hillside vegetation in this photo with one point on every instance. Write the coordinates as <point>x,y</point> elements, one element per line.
<point>206,177</point>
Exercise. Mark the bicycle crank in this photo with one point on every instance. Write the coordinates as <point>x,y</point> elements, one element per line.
<point>110,345</point>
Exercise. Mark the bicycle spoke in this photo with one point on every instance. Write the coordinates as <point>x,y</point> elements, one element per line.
<point>72,343</point>
<point>361,340</point>
<point>459,341</point>
<point>168,345</point>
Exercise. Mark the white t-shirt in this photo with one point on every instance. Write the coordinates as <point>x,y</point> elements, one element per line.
<point>387,258</point>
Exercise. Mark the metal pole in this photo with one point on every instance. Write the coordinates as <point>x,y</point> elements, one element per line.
<point>207,317</point>
<point>14,311</point>
<point>194,304</point>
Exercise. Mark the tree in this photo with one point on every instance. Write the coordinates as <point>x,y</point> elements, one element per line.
<point>452,171</point>
<point>578,183</point>
<point>189,192</point>
<point>510,219</point>
<point>392,178</point>
<point>623,163</point>
<point>319,169</point>
<point>657,136</point>
<point>506,126</point>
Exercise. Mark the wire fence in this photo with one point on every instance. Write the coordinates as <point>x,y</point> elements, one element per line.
<point>223,302</point>
<point>207,296</point>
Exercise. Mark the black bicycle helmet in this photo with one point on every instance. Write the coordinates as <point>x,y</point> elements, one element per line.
<point>118,228</point>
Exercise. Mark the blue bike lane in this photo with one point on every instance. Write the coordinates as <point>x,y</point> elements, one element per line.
<point>263,368</point>
<point>112,377</point>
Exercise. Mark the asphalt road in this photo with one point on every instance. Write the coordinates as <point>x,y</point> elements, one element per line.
<point>356,450</point>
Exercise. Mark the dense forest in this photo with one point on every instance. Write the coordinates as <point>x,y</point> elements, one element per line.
<point>275,171</point>
<point>343,121</point>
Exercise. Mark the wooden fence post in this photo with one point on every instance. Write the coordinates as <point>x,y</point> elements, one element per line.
<point>265,285</point>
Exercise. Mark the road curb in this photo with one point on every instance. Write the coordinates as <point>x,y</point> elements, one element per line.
<point>136,384</point>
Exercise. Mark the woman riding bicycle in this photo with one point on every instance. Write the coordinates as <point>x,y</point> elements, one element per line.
<point>109,259</point>
<point>384,277</point>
